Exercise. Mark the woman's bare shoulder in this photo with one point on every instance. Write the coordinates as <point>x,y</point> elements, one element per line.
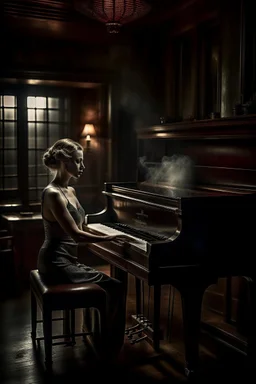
<point>51,192</point>
<point>72,190</point>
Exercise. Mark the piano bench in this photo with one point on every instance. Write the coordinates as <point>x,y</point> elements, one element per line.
<point>67,298</point>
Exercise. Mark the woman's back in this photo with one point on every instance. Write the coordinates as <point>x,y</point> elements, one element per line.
<point>53,229</point>
<point>59,250</point>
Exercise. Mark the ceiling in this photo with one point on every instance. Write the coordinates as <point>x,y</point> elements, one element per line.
<point>59,19</point>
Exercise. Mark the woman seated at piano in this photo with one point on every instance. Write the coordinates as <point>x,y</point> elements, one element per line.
<point>63,219</point>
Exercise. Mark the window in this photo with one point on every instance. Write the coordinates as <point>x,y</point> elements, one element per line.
<point>47,122</point>
<point>8,142</point>
<point>29,123</point>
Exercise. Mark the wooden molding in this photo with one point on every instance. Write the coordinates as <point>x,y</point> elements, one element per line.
<point>223,128</point>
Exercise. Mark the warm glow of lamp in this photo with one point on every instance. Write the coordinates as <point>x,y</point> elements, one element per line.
<point>87,132</point>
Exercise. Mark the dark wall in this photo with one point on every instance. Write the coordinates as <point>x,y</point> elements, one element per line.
<point>210,61</point>
<point>161,70</point>
<point>127,68</point>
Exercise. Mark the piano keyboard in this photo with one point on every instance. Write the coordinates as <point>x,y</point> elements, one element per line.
<point>104,229</point>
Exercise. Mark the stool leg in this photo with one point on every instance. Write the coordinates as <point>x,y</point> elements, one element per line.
<point>87,321</point>
<point>73,325</point>
<point>47,329</point>
<point>66,325</point>
<point>102,317</point>
<point>33,315</point>
<point>87,318</point>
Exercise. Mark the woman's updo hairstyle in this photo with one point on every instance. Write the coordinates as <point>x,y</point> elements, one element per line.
<point>60,151</point>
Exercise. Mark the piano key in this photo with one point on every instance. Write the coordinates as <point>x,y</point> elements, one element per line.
<point>144,234</point>
<point>104,229</point>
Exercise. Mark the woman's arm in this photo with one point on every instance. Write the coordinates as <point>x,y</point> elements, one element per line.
<point>56,204</point>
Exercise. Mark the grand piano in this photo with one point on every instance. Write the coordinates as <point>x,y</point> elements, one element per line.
<point>186,233</point>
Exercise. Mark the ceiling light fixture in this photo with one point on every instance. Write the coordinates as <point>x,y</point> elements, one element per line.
<point>113,13</point>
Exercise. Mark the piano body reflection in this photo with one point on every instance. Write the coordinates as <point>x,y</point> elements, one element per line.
<point>187,237</point>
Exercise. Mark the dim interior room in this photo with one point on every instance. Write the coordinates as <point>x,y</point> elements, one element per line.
<point>161,96</point>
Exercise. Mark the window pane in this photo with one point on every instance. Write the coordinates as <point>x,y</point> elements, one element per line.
<point>42,170</point>
<point>39,194</point>
<point>52,140</point>
<point>42,182</point>
<point>11,183</point>
<point>31,135</point>
<point>32,181</point>
<point>54,133</point>
<point>31,170</point>
<point>31,102</point>
<point>64,130</point>
<point>41,142</point>
<point>54,116</point>
<point>40,157</point>
<point>31,115</point>
<point>40,102</point>
<point>33,195</point>
<point>9,101</point>
<point>53,103</point>
<point>10,170</point>
<point>66,116</point>
<point>10,114</point>
<point>1,135</point>
<point>54,129</point>
<point>31,157</point>
<point>41,129</point>
<point>10,139</point>
<point>10,158</point>
<point>40,115</point>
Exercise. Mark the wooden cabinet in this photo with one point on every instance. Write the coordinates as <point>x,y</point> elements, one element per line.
<point>28,236</point>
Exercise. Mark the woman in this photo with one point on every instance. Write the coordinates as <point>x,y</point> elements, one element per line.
<point>63,218</point>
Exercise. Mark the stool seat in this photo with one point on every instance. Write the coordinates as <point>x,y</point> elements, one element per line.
<point>65,297</point>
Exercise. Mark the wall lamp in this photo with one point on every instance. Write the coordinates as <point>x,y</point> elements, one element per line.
<point>87,133</point>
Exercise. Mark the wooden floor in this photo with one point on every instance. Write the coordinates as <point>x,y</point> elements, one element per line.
<point>21,363</point>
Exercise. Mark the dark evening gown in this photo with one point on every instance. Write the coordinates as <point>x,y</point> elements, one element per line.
<point>58,263</point>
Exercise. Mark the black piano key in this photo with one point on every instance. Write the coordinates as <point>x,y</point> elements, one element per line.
<point>137,232</point>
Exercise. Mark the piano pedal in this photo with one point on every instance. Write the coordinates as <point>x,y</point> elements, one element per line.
<point>138,339</point>
<point>135,332</point>
<point>142,320</point>
<point>146,323</point>
<point>130,329</point>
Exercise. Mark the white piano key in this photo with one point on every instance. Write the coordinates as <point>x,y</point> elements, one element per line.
<point>104,229</point>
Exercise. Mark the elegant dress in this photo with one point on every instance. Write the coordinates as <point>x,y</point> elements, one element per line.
<point>58,263</point>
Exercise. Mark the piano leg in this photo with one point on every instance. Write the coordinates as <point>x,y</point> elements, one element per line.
<point>138,296</point>
<point>191,297</point>
<point>156,321</point>
<point>120,318</point>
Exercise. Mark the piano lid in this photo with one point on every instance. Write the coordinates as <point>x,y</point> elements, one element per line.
<point>176,177</point>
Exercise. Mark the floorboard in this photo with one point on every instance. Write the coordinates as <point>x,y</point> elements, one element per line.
<point>20,362</point>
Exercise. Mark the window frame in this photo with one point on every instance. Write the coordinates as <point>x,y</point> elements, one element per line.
<point>20,196</point>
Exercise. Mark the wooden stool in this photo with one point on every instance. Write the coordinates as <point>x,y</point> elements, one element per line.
<point>65,297</point>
